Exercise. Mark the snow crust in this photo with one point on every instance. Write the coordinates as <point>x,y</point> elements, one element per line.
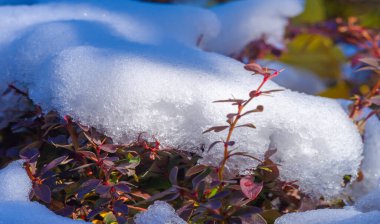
<point>15,206</point>
<point>330,216</point>
<point>90,63</point>
<point>159,213</point>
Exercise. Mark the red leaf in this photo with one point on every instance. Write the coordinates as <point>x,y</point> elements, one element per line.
<point>213,144</point>
<point>269,153</point>
<point>43,192</point>
<point>53,164</point>
<point>250,189</point>
<point>272,91</point>
<point>370,61</point>
<point>122,186</point>
<point>376,100</point>
<point>259,108</point>
<point>249,125</point>
<point>109,148</point>
<point>195,169</point>
<point>89,155</point>
<point>216,129</point>
<point>254,67</point>
<point>235,101</point>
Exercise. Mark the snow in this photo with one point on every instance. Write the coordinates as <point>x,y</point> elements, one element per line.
<point>330,216</point>
<point>15,206</point>
<point>14,212</point>
<point>369,202</point>
<point>159,213</point>
<point>92,64</point>
<point>366,208</point>
<point>225,28</point>
<point>15,183</point>
<point>32,26</point>
<point>139,92</point>
<point>245,21</point>
<point>126,18</point>
<point>370,166</point>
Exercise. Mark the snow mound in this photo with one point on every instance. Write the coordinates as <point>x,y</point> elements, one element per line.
<point>15,206</point>
<point>123,85</point>
<point>159,213</point>
<point>135,21</point>
<point>15,184</point>
<point>330,216</point>
<point>124,20</point>
<point>245,21</point>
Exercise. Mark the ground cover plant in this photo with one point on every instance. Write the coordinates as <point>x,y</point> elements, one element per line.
<point>80,173</point>
<point>159,118</point>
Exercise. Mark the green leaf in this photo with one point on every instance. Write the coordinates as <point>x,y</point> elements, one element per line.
<point>110,218</point>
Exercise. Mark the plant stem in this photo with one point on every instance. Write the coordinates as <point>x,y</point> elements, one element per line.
<point>232,128</point>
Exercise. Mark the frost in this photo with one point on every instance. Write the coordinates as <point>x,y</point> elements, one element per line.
<point>159,213</point>
<point>15,206</point>
<point>99,70</point>
<point>330,216</point>
<point>245,21</point>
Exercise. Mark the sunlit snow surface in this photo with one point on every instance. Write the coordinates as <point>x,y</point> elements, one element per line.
<point>135,67</point>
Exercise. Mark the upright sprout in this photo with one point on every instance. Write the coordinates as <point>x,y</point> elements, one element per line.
<point>233,118</point>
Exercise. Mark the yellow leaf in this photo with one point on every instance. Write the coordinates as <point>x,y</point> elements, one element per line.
<point>341,90</point>
<point>270,215</point>
<point>316,53</point>
<point>315,11</point>
<point>364,89</point>
<point>103,214</point>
